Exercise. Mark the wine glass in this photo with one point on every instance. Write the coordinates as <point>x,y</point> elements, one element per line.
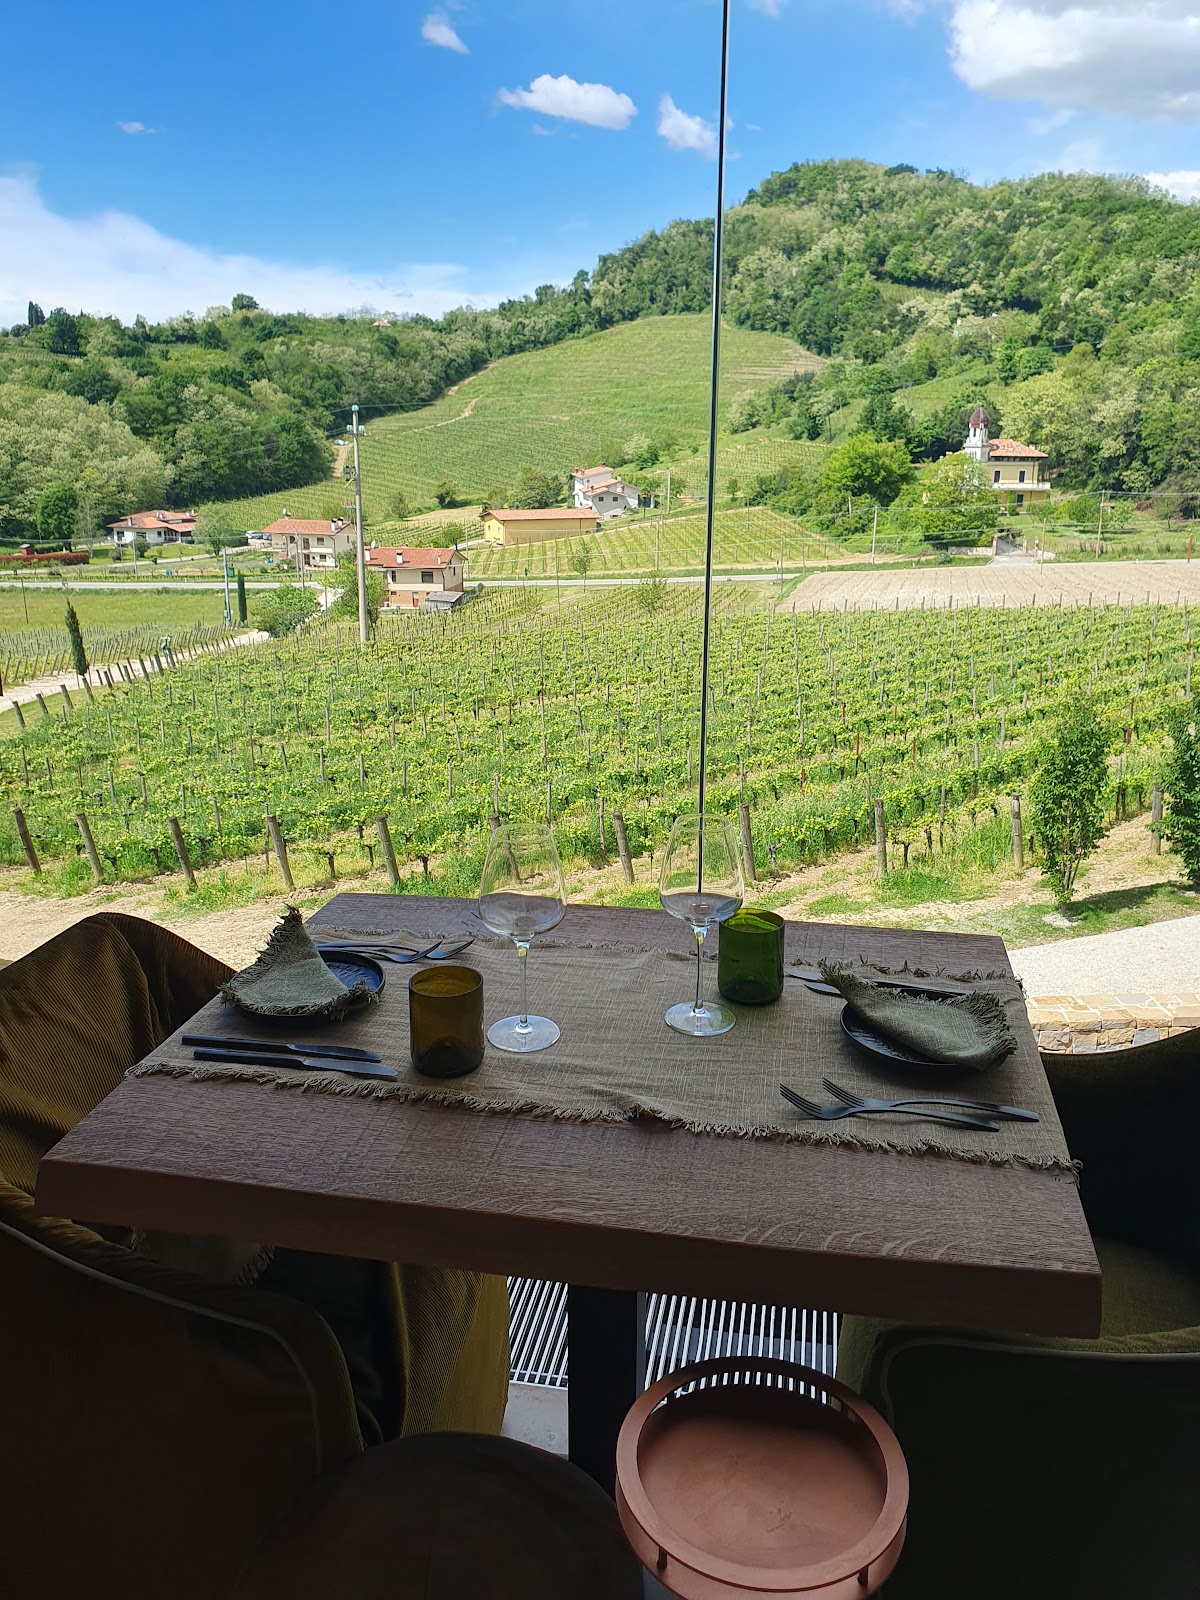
<point>521,895</point>
<point>701,883</point>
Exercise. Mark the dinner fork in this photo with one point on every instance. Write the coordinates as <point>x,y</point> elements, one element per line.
<point>1008,1113</point>
<point>810,1108</point>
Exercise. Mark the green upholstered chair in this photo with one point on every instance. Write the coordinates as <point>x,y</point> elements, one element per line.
<point>157,1423</point>
<point>1057,1469</point>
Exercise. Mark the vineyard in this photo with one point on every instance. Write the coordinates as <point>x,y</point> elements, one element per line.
<point>579,712</point>
<point>31,653</point>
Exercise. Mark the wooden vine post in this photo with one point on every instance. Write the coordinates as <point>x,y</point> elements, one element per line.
<point>747,842</point>
<point>623,846</point>
<point>880,839</point>
<point>1156,813</point>
<point>280,848</point>
<point>89,845</point>
<point>26,842</point>
<point>389,853</point>
<point>1018,833</point>
<point>181,850</point>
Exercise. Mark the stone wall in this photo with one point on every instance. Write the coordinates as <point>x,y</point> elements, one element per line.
<point>1083,1023</point>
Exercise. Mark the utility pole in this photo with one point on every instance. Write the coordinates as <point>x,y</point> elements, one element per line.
<point>668,491</point>
<point>228,607</point>
<point>1100,528</point>
<point>359,550</point>
<point>874,534</point>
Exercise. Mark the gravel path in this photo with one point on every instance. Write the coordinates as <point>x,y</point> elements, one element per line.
<point>1161,959</point>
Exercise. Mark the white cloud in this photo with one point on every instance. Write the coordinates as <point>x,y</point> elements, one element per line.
<point>1136,57</point>
<point>684,132</point>
<point>1183,185</point>
<point>1048,123</point>
<point>438,29</point>
<point>1081,155</point>
<point>593,103</point>
<point>112,262</point>
<point>134,127</point>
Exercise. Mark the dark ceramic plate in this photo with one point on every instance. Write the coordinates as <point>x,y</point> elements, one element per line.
<point>857,1028</point>
<point>351,970</point>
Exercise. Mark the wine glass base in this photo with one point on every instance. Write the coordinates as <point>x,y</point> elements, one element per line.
<point>538,1034</point>
<point>711,1018</point>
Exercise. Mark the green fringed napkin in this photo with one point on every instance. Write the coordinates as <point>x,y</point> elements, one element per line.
<point>289,979</point>
<point>971,1033</point>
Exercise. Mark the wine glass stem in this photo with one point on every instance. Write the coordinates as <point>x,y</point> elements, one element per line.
<point>701,932</point>
<point>523,956</point>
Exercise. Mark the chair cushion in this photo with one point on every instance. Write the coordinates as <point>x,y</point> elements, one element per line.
<point>447,1517</point>
<point>1144,1293</point>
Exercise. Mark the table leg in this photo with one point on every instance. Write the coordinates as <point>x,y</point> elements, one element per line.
<point>606,1371</point>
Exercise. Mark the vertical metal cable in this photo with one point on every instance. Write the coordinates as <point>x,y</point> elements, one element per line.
<point>714,414</point>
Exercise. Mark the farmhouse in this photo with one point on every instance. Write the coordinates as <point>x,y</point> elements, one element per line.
<point>417,577</point>
<point>608,496</point>
<point>1018,471</point>
<point>156,527</point>
<point>528,527</point>
<point>313,545</point>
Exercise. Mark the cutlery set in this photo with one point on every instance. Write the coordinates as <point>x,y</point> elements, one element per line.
<point>317,1057</point>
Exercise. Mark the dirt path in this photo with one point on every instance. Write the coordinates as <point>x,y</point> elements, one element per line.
<point>1075,583</point>
<point>52,683</point>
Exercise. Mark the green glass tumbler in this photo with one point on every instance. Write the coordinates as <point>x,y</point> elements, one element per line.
<point>445,1019</point>
<point>750,958</point>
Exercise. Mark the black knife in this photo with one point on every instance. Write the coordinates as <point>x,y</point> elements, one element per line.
<point>225,1041</point>
<point>269,1058</point>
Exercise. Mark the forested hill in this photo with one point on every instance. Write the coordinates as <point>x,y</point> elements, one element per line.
<point>1069,303</point>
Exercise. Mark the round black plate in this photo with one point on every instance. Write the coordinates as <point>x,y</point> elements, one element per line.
<point>856,1027</point>
<point>351,970</point>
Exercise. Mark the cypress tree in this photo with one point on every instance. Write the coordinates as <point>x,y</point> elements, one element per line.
<point>241,601</point>
<point>75,634</point>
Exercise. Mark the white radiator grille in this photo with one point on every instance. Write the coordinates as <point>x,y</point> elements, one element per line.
<point>679,1329</point>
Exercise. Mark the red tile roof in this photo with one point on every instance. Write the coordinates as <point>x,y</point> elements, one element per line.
<point>156,519</point>
<point>408,556</point>
<point>590,472</point>
<point>570,513</point>
<point>1010,448</point>
<point>304,525</point>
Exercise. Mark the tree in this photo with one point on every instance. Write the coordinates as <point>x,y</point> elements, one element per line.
<point>882,417</point>
<point>35,316</point>
<point>140,545</point>
<point>1181,785</point>
<point>1067,794</point>
<point>63,334</point>
<point>79,658</point>
<point>284,609</point>
<point>869,466</point>
<point>951,501</point>
<point>241,597</point>
<point>346,604</point>
<point>399,507</point>
<point>446,495</point>
<point>581,561</point>
<point>244,302</point>
<point>536,490</point>
<point>56,509</point>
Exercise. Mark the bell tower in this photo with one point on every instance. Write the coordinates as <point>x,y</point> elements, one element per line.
<point>978,443</point>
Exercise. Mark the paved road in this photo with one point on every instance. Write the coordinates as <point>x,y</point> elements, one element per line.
<point>1161,959</point>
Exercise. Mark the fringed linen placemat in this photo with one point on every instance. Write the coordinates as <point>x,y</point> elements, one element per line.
<point>618,1060</point>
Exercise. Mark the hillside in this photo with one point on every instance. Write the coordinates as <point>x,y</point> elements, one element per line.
<point>580,402</point>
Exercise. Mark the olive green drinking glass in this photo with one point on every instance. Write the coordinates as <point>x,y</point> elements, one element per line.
<point>445,1021</point>
<point>750,958</point>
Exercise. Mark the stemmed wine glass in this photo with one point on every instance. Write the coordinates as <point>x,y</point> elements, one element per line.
<point>521,895</point>
<point>701,883</point>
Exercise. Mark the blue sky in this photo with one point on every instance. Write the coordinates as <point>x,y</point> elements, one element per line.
<point>412,156</point>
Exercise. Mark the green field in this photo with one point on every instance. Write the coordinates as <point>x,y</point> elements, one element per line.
<point>569,405</point>
<point>540,710</point>
<point>159,607</point>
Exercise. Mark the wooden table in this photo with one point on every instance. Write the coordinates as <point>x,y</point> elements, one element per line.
<point>626,1207</point>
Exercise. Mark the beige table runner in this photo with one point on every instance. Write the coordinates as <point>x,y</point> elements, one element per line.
<point>618,1060</point>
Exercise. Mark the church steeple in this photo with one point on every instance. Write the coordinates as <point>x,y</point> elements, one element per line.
<point>978,443</point>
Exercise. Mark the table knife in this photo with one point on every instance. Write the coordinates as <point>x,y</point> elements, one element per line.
<point>268,1058</point>
<point>812,979</point>
<point>225,1041</point>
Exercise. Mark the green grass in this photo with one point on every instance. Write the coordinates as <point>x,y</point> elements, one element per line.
<point>111,608</point>
<point>565,406</point>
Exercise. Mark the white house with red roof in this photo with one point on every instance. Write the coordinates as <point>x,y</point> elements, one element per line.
<point>1017,470</point>
<point>156,527</point>
<point>312,544</point>
<point>600,490</point>
<point>417,577</point>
